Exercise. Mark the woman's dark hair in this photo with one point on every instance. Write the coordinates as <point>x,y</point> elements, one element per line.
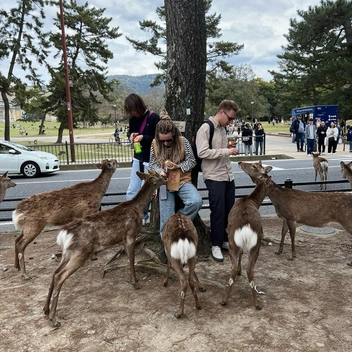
<point>134,105</point>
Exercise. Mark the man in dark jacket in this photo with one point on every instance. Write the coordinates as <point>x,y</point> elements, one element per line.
<point>298,132</point>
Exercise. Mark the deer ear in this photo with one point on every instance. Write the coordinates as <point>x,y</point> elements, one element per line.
<point>141,175</point>
<point>5,174</point>
<point>267,169</point>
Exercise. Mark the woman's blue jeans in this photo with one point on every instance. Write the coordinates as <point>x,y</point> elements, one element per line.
<point>191,199</point>
<point>136,183</point>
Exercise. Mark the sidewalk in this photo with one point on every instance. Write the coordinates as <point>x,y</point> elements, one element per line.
<point>278,145</point>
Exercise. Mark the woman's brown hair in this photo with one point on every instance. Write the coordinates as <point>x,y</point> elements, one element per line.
<point>135,105</point>
<point>164,126</point>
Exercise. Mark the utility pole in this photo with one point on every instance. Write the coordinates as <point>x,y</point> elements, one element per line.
<point>67,80</point>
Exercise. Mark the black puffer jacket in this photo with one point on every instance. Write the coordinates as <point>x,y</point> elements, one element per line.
<point>148,133</point>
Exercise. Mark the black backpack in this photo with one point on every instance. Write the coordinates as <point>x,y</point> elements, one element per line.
<point>198,167</point>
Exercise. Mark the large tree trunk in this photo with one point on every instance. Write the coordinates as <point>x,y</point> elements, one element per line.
<point>186,62</point>
<point>186,74</point>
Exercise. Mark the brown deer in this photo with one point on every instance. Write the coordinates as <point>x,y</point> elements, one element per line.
<point>245,233</point>
<point>321,166</point>
<point>82,237</point>
<point>180,239</point>
<point>294,206</point>
<point>346,170</point>
<point>57,208</point>
<point>5,183</point>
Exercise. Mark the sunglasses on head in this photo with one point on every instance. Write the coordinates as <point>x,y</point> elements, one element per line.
<point>166,140</point>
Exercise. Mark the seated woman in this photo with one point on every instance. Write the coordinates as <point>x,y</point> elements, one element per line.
<point>172,155</point>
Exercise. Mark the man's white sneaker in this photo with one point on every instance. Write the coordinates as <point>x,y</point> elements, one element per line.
<point>216,254</point>
<point>225,245</point>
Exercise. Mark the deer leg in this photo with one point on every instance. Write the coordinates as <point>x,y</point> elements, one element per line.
<point>17,262</point>
<point>191,276</point>
<point>235,257</point>
<point>292,227</point>
<point>62,264</point>
<point>176,264</point>
<point>325,179</point>
<point>23,242</point>
<point>129,247</point>
<point>166,278</point>
<point>201,287</point>
<point>283,234</point>
<point>71,267</point>
<point>321,179</point>
<point>252,259</point>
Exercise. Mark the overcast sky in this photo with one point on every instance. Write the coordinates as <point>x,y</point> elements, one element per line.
<point>259,25</point>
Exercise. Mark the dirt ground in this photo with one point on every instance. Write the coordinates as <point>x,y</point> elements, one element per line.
<point>307,304</point>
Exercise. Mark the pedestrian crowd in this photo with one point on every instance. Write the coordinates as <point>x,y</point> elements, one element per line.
<point>317,136</point>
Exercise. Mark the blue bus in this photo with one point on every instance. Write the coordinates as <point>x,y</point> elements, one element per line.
<point>319,113</point>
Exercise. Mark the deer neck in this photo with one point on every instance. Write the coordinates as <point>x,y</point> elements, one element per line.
<point>103,180</point>
<point>142,198</point>
<point>259,193</point>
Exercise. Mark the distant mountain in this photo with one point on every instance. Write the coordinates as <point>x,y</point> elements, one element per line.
<point>135,84</point>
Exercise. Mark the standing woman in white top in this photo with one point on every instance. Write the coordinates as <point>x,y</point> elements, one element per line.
<point>332,134</point>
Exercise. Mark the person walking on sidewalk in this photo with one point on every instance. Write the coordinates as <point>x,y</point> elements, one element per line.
<point>217,173</point>
<point>298,132</point>
<point>311,133</point>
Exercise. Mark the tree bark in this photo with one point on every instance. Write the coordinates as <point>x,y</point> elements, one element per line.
<point>186,62</point>
<point>186,75</point>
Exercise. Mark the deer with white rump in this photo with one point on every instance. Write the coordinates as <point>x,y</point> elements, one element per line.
<point>5,183</point>
<point>294,206</point>
<point>57,208</point>
<point>347,171</point>
<point>82,237</point>
<point>180,239</point>
<point>245,233</point>
<point>321,167</point>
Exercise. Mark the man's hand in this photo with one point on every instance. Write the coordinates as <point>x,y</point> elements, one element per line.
<point>233,151</point>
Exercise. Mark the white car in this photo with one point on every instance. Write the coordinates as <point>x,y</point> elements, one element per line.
<point>18,159</point>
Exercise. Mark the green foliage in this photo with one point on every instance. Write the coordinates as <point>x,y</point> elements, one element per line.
<point>317,62</point>
<point>216,50</point>
<point>88,55</point>
<point>241,86</point>
<point>24,46</point>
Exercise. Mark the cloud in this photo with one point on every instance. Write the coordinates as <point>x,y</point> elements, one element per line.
<point>259,25</point>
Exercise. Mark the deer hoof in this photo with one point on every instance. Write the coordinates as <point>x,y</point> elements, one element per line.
<point>350,263</point>
<point>137,286</point>
<point>26,277</point>
<point>278,252</point>
<point>202,289</point>
<point>177,315</point>
<point>56,325</point>
<point>258,307</point>
<point>199,307</point>
<point>223,303</point>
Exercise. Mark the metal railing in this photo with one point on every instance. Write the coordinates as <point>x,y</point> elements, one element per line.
<point>113,199</point>
<point>86,153</point>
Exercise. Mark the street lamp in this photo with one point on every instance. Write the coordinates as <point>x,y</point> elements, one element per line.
<point>114,106</point>
<point>252,102</point>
